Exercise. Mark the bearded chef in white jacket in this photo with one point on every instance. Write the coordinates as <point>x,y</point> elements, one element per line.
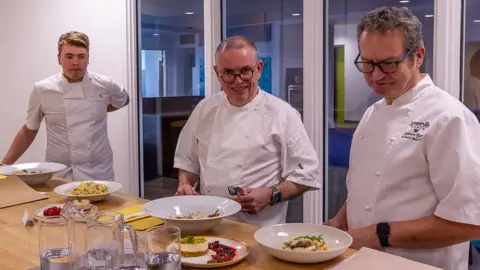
<point>74,104</point>
<point>248,138</point>
<point>414,177</point>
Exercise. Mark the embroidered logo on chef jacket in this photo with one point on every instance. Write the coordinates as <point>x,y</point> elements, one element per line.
<point>417,130</point>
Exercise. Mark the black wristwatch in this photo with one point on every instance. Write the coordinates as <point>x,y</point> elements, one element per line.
<point>383,233</point>
<point>276,196</point>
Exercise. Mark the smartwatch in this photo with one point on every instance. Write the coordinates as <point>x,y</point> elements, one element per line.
<point>383,233</point>
<point>276,196</point>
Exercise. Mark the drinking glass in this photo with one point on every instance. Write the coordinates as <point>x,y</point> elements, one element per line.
<point>55,244</point>
<point>163,248</point>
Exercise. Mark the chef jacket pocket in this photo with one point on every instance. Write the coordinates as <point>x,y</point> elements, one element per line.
<point>54,112</point>
<point>99,108</point>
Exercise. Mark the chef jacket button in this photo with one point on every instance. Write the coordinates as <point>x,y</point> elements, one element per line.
<point>352,168</point>
<point>91,112</point>
<point>248,137</point>
<point>367,207</point>
<point>362,137</point>
<point>377,173</point>
<point>241,164</point>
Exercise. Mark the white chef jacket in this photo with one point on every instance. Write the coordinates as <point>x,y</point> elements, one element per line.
<point>76,123</point>
<point>417,157</point>
<point>258,145</point>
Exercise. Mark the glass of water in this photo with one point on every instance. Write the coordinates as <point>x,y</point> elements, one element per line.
<point>163,248</point>
<point>55,244</point>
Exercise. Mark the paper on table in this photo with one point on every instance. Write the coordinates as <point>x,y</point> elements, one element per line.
<point>142,222</point>
<point>14,191</point>
<point>376,260</point>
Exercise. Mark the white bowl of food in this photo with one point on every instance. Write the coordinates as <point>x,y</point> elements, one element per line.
<point>194,214</point>
<point>302,242</point>
<point>93,190</point>
<point>33,174</point>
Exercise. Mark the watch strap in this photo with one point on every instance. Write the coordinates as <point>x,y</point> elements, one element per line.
<point>383,233</point>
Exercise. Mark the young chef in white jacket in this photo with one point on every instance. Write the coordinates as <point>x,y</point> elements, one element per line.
<point>74,104</point>
<point>414,175</point>
<point>248,138</point>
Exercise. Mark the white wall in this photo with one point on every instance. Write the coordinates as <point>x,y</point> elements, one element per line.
<point>29,32</point>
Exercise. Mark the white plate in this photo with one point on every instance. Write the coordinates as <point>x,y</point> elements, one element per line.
<point>202,261</point>
<point>65,190</point>
<point>88,213</point>
<point>169,207</point>
<point>271,239</point>
<point>42,171</point>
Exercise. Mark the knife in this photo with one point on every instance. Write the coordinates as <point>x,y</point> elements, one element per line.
<point>133,215</point>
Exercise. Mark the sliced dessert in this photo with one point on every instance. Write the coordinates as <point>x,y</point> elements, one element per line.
<point>194,246</point>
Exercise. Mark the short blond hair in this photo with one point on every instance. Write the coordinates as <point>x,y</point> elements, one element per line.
<point>74,38</point>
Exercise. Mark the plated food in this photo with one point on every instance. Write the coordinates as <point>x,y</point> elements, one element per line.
<point>35,173</point>
<point>93,190</point>
<point>89,188</point>
<point>26,172</point>
<point>197,215</point>
<point>211,252</point>
<point>305,243</point>
<point>194,215</point>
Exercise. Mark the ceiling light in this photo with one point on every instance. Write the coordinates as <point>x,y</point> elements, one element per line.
<point>404,1</point>
<point>428,16</point>
<point>155,34</point>
<point>189,13</point>
<point>296,14</point>
<point>476,21</point>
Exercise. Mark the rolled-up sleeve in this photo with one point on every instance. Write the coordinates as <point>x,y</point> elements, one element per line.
<point>117,95</point>
<point>454,165</point>
<point>299,159</point>
<point>34,111</point>
<point>186,153</point>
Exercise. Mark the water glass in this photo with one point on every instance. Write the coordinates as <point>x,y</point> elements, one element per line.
<point>55,244</point>
<point>163,248</point>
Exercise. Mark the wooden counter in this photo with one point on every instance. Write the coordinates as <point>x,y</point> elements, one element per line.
<point>19,244</point>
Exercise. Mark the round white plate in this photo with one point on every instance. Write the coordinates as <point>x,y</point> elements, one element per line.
<point>37,173</point>
<point>169,207</point>
<point>88,213</point>
<point>65,190</point>
<point>202,261</point>
<point>39,212</point>
<point>271,238</point>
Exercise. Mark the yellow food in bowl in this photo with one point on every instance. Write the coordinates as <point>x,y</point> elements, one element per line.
<point>89,188</point>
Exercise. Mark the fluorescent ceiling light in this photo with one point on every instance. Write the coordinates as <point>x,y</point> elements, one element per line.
<point>428,16</point>
<point>476,21</point>
<point>189,13</point>
<point>155,34</point>
<point>296,14</point>
<point>404,1</point>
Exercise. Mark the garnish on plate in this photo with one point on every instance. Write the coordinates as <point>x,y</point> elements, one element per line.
<point>223,253</point>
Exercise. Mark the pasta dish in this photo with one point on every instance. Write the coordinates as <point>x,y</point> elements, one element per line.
<point>306,243</point>
<point>89,188</point>
<point>197,215</point>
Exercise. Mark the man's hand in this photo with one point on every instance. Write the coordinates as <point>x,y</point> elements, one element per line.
<point>338,223</point>
<point>365,237</point>
<point>186,190</point>
<point>255,200</point>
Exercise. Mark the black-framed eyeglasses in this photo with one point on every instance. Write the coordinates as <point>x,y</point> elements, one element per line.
<point>388,66</point>
<point>244,75</point>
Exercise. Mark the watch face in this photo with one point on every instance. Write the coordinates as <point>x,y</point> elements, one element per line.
<point>277,197</point>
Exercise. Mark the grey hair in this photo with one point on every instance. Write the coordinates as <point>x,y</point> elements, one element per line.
<point>387,18</point>
<point>236,42</point>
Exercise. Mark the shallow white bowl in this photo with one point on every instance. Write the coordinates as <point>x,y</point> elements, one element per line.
<point>43,171</point>
<point>65,190</point>
<point>271,239</point>
<point>169,207</point>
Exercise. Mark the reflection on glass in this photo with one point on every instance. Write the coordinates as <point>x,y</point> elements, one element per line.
<point>471,89</point>
<point>348,94</point>
<point>171,82</point>
<point>276,28</point>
